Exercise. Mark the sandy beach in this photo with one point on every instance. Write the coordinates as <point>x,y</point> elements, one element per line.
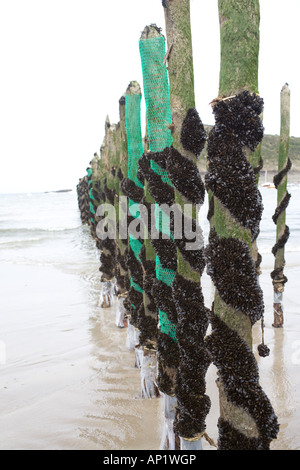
<point>67,379</point>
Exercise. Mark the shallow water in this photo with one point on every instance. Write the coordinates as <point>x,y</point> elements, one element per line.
<point>67,379</point>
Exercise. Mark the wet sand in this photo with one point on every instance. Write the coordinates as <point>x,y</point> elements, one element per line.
<point>68,381</point>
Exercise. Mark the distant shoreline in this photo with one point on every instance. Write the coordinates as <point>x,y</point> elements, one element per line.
<point>268,175</point>
<point>59,191</point>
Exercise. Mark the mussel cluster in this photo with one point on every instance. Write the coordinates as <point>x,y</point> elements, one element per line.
<point>232,181</point>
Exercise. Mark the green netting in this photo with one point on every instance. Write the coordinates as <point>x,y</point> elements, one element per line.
<point>157,93</point>
<point>162,221</point>
<point>163,274</point>
<point>91,194</point>
<point>161,172</point>
<point>134,135</point>
<point>135,151</point>
<point>89,172</point>
<point>166,326</point>
<point>92,210</point>
<point>134,212</point>
<point>135,286</point>
<point>136,247</point>
<point>157,98</point>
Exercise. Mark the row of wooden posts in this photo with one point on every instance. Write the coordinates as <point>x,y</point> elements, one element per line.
<point>158,281</point>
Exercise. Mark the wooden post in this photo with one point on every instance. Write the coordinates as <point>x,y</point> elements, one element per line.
<point>160,191</point>
<point>247,420</point>
<point>108,247</point>
<point>279,217</point>
<point>188,141</point>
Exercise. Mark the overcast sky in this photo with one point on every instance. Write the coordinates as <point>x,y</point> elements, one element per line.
<point>66,63</point>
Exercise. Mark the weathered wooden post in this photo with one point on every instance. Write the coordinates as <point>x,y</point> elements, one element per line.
<point>108,246</point>
<point>132,187</point>
<point>160,192</point>
<point>122,204</point>
<point>94,194</point>
<point>283,198</point>
<point>247,420</point>
<point>192,317</point>
<point>83,199</point>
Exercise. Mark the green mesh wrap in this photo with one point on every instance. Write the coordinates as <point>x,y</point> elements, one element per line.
<point>134,135</point>
<point>135,151</point>
<point>91,194</point>
<point>162,221</point>
<point>166,326</point>
<point>92,208</point>
<point>163,274</point>
<point>136,247</point>
<point>133,211</point>
<point>161,172</point>
<point>135,286</point>
<point>157,98</point>
<point>157,94</point>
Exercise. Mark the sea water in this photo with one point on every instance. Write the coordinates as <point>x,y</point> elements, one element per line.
<point>67,379</point>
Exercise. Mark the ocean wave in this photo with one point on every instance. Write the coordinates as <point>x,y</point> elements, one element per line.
<point>29,230</point>
<point>21,243</point>
<point>17,238</point>
<point>264,250</point>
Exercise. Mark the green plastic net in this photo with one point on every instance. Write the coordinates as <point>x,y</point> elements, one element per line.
<point>91,194</point>
<point>92,210</point>
<point>166,326</point>
<point>136,247</point>
<point>134,135</point>
<point>162,221</point>
<point>157,95</point>
<point>157,98</point>
<point>135,151</point>
<point>163,274</point>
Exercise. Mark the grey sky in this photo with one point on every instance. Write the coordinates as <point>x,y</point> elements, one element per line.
<point>66,63</point>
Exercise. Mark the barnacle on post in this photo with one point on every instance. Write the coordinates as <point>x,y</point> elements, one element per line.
<point>231,267</point>
<point>132,190</point>
<point>161,192</point>
<point>192,322</point>
<point>193,135</point>
<point>193,404</point>
<point>263,350</point>
<point>239,374</point>
<point>192,187</point>
<point>232,181</point>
